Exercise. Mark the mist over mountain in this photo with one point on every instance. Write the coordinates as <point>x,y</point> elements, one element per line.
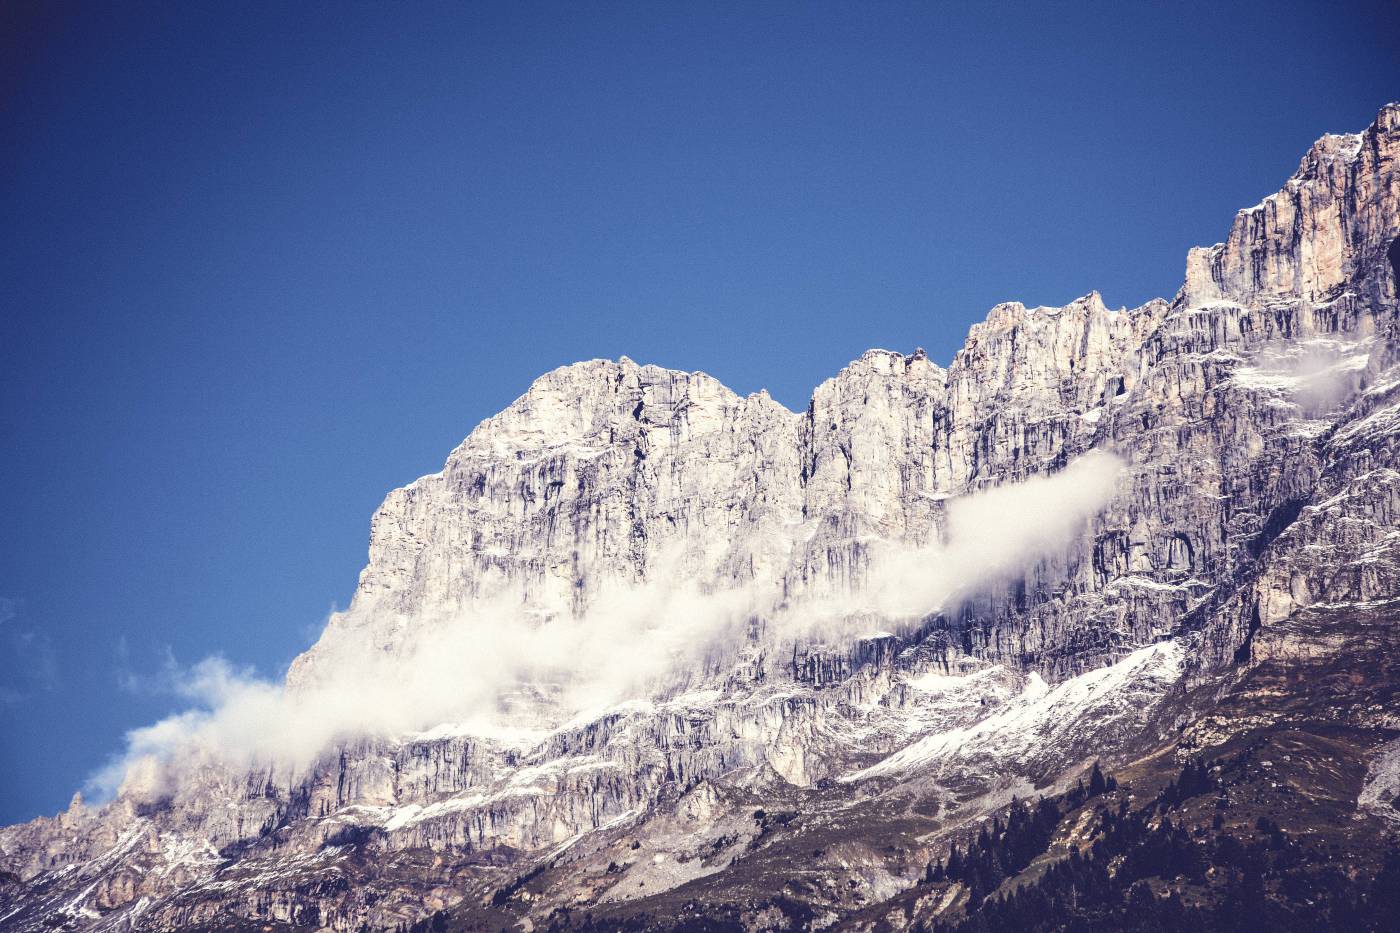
<point>649,654</point>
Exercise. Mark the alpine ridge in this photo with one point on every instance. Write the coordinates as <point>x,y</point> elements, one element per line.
<point>647,654</point>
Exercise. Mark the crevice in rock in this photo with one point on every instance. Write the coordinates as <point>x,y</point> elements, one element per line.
<point>1283,515</point>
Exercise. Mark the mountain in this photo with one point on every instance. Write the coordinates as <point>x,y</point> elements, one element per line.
<point>647,654</point>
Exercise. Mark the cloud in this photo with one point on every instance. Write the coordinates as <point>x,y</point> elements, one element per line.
<point>1316,373</point>
<point>989,536</point>
<point>31,663</point>
<point>499,668</point>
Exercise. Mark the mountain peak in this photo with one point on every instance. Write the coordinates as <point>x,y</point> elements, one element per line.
<point>631,621</point>
<point>1327,230</point>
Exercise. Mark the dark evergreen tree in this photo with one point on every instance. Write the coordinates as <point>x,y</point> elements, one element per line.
<point>1097,784</point>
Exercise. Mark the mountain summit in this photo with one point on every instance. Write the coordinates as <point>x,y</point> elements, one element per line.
<point>647,654</point>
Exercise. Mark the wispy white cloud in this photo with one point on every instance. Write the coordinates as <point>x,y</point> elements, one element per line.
<point>497,665</point>
<point>1316,373</point>
<point>30,665</point>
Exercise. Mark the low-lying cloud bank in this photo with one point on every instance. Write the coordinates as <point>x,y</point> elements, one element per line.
<point>497,671</point>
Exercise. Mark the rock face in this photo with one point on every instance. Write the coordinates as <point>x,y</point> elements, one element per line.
<point>586,479</point>
<point>1257,417</point>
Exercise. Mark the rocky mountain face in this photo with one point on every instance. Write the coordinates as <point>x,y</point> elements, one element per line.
<point>1237,581</point>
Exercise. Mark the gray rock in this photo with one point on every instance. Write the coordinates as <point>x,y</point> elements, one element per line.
<point>1258,418</point>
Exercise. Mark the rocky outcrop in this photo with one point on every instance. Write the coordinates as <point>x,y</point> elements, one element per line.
<point>1256,416</point>
<point>1328,231</point>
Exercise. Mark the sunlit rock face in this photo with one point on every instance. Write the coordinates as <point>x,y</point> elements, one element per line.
<point>1327,231</point>
<point>1257,418</point>
<point>589,478</point>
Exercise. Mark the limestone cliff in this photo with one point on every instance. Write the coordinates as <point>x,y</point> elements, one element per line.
<point>1257,415</point>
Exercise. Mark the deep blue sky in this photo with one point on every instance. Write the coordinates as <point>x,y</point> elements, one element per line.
<point>264,263</point>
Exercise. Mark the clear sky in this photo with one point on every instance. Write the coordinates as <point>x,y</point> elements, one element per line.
<point>264,262</point>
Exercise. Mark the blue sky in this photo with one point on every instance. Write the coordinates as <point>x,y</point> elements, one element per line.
<point>265,262</point>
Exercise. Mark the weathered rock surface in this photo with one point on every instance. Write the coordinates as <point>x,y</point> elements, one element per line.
<point>1258,418</point>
